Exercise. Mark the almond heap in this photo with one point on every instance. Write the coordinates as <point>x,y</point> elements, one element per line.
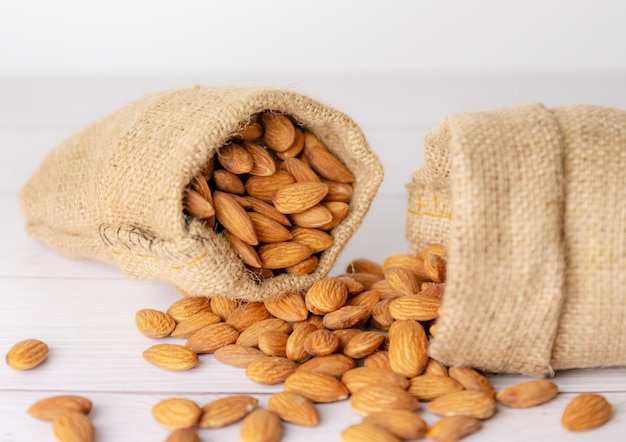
<point>274,191</point>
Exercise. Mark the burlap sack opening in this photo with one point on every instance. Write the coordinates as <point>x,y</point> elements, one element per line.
<point>530,203</point>
<point>113,192</point>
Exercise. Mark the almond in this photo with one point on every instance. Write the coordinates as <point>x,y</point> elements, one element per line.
<point>273,343</point>
<point>428,387</point>
<point>212,337</point>
<point>279,255</point>
<point>341,192</point>
<point>261,426</point>
<point>304,267</point>
<point>294,408</point>
<point>295,149</point>
<point>345,335</point>
<point>238,355</point>
<point>279,132</point>
<point>338,211</point>
<point>328,166</point>
<point>51,407</point>
<point>470,379</point>
<point>354,287</point>
<point>316,320</point>
<point>316,217</point>
<point>264,187</point>
<point>175,413</point>
<point>301,171</point>
<point>417,307</point>
<point>262,162</point>
<point>183,435</point>
<point>409,262</point>
<point>435,267</point>
<point>363,344</point>
<point>187,307</point>
<point>326,295</point>
<point>154,323</point>
<point>247,314</point>
<point>585,412</point>
<point>453,428</point>
<point>73,426</point>
<point>226,411</point>
<point>367,299</point>
<point>197,205</point>
<point>401,423</point>
<point>367,433</point>
<point>299,196</point>
<point>435,367</point>
<point>270,370</point>
<point>402,280</point>
<point>189,326</point>
<point>290,307</point>
<point>378,359</point>
<point>222,306</point>
<point>474,404</point>
<point>346,317</point>
<point>250,131</point>
<point>435,249</point>
<point>313,142</point>
<point>228,182</point>
<point>234,158</point>
<point>408,346</point>
<point>381,316</point>
<point>234,218</point>
<point>333,365</point>
<point>374,398</point>
<point>171,356</point>
<point>27,354</point>
<point>367,280</point>
<point>295,343</point>
<point>320,343</point>
<point>432,290</point>
<point>268,230</point>
<point>250,336</point>
<point>360,377</point>
<point>528,394</point>
<point>201,185</point>
<point>266,209</point>
<point>315,239</point>
<point>318,387</point>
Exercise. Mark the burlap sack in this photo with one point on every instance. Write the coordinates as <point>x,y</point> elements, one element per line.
<point>531,204</point>
<point>114,191</point>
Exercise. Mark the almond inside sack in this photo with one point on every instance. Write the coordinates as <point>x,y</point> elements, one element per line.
<point>529,202</point>
<point>115,190</point>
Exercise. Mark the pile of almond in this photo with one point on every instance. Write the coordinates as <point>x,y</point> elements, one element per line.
<point>274,190</point>
<point>362,335</point>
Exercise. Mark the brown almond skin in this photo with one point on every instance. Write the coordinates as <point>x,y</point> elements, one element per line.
<point>171,356</point>
<point>294,408</point>
<point>317,387</point>
<point>333,365</point>
<point>326,295</point>
<point>234,218</point>
<point>175,413</point>
<point>27,354</point>
<point>279,132</point>
<point>363,344</point>
<point>474,404</point>
<point>586,412</point>
<point>261,426</point>
<point>212,337</point>
<point>50,407</point>
<point>73,426</point>
<point>154,323</point>
<point>408,346</point>
<point>270,370</point>
<point>528,394</point>
<point>290,307</point>
<point>328,166</point>
<point>227,410</point>
<point>235,158</point>
<point>279,255</point>
<point>186,307</point>
<point>246,315</point>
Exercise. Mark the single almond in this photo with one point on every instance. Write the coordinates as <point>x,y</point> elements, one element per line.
<point>326,295</point>
<point>270,370</point>
<point>361,377</point>
<point>279,132</point>
<point>435,367</point>
<point>273,343</point>
<point>474,404</point>
<point>279,255</point>
<point>238,355</point>
<point>528,394</point>
<point>186,307</point>
<point>222,306</point>
<point>227,410</point>
<point>175,413</point>
<point>264,187</point>
<point>363,344</point>
<point>363,265</point>
<point>315,239</point>
<point>290,307</point>
<point>338,210</point>
<point>27,354</point>
<point>235,158</point>
<point>250,131</point>
<point>304,267</point>
<point>262,162</point>
<point>295,344</point>
<point>367,299</point>
<point>234,218</point>
<point>261,426</point>
<point>381,316</point>
<point>586,412</point>
<point>372,398</point>
<point>294,408</point>
<point>378,359</point>
<point>367,433</point>
<point>247,314</point>
<point>299,196</point>
<point>354,287</point>
<point>335,364</point>
<point>301,171</point>
<point>404,424</point>
<point>295,149</point>
<point>346,317</point>
<point>341,192</point>
<point>73,426</point>
<point>408,348</point>
<point>171,356</point>
<point>402,280</point>
<point>328,166</point>
<point>250,335</point>
<point>435,249</point>
<point>417,307</point>
<point>427,387</point>
<point>318,387</point>
<point>51,407</point>
<point>228,182</point>
<point>212,337</point>
<point>317,217</point>
<point>266,209</point>
<point>320,343</point>
<point>435,267</point>
<point>267,230</point>
<point>470,379</point>
<point>154,323</point>
<point>311,141</point>
<point>409,262</point>
<point>453,428</point>
<point>246,252</point>
<point>183,435</point>
<point>201,185</point>
<point>197,205</point>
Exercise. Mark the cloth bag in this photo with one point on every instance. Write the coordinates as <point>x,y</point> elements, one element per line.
<point>531,203</point>
<point>114,191</point>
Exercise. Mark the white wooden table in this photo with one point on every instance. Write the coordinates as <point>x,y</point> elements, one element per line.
<point>85,310</point>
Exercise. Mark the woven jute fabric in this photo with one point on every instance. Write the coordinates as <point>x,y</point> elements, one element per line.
<point>530,202</point>
<point>114,191</point>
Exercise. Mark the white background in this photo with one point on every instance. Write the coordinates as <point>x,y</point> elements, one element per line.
<point>396,67</point>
